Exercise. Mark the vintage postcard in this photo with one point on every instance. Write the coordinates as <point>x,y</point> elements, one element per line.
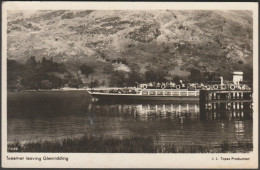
<point>129,85</point>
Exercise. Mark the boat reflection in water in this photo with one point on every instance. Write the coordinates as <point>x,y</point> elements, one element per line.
<point>185,110</point>
<point>180,123</point>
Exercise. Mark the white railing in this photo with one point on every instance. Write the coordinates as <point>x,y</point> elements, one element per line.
<point>172,93</point>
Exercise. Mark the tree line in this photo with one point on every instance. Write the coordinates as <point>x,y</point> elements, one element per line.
<point>44,74</point>
<point>47,74</point>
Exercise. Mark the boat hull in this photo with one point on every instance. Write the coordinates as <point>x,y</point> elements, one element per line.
<point>132,97</point>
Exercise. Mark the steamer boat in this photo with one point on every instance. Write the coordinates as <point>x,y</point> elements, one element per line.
<point>137,94</point>
<point>167,91</point>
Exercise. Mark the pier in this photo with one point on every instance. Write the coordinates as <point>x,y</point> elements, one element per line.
<point>226,100</point>
<point>234,96</point>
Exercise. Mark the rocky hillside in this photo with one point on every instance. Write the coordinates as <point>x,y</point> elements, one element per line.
<point>172,41</point>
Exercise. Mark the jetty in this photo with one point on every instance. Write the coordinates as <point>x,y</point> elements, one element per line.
<point>235,96</point>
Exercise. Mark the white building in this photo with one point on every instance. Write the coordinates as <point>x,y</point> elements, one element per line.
<point>237,77</point>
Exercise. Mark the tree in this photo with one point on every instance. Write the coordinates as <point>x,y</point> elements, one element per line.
<point>149,76</point>
<point>48,65</point>
<point>157,76</point>
<point>55,80</point>
<point>35,75</point>
<point>213,76</point>
<point>117,79</point>
<point>46,84</point>
<point>103,83</point>
<point>14,73</point>
<point>195,76</point>
<point>31,81</point>
<point>108,68</point>
<point>176,79</point>
<point>134,77</point>
<point>31,62</point>
<point>95,83</point>
<point>86,70</point>
<point>75,82</point>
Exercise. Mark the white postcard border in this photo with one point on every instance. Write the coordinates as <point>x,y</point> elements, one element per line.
<point>115,160</point>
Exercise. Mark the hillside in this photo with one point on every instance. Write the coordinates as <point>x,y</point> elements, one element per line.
<point>170,41</point>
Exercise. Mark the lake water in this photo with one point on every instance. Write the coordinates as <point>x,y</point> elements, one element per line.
<point>53,115</point>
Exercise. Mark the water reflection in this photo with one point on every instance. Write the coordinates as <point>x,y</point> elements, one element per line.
<point>184,111</point>
<point>239,129</point>
<point>50,116</point>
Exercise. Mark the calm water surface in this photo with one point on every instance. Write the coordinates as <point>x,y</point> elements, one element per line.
<point>54,115</point>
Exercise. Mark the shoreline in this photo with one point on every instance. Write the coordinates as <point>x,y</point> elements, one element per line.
<point>132,144</point>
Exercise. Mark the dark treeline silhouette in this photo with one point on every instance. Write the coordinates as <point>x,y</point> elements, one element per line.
<point>123,79</point>
<point>157,76</point>
<point>44,74</point>
<point>47,74</point>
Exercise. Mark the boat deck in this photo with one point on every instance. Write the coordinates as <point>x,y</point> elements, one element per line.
<point>150,94</point>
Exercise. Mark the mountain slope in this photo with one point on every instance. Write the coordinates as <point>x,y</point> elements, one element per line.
<point>172,41</point>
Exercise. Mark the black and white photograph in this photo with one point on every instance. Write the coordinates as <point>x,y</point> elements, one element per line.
<point>130,83</point>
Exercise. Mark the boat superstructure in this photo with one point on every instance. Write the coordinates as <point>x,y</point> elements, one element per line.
<point>146,94</point>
